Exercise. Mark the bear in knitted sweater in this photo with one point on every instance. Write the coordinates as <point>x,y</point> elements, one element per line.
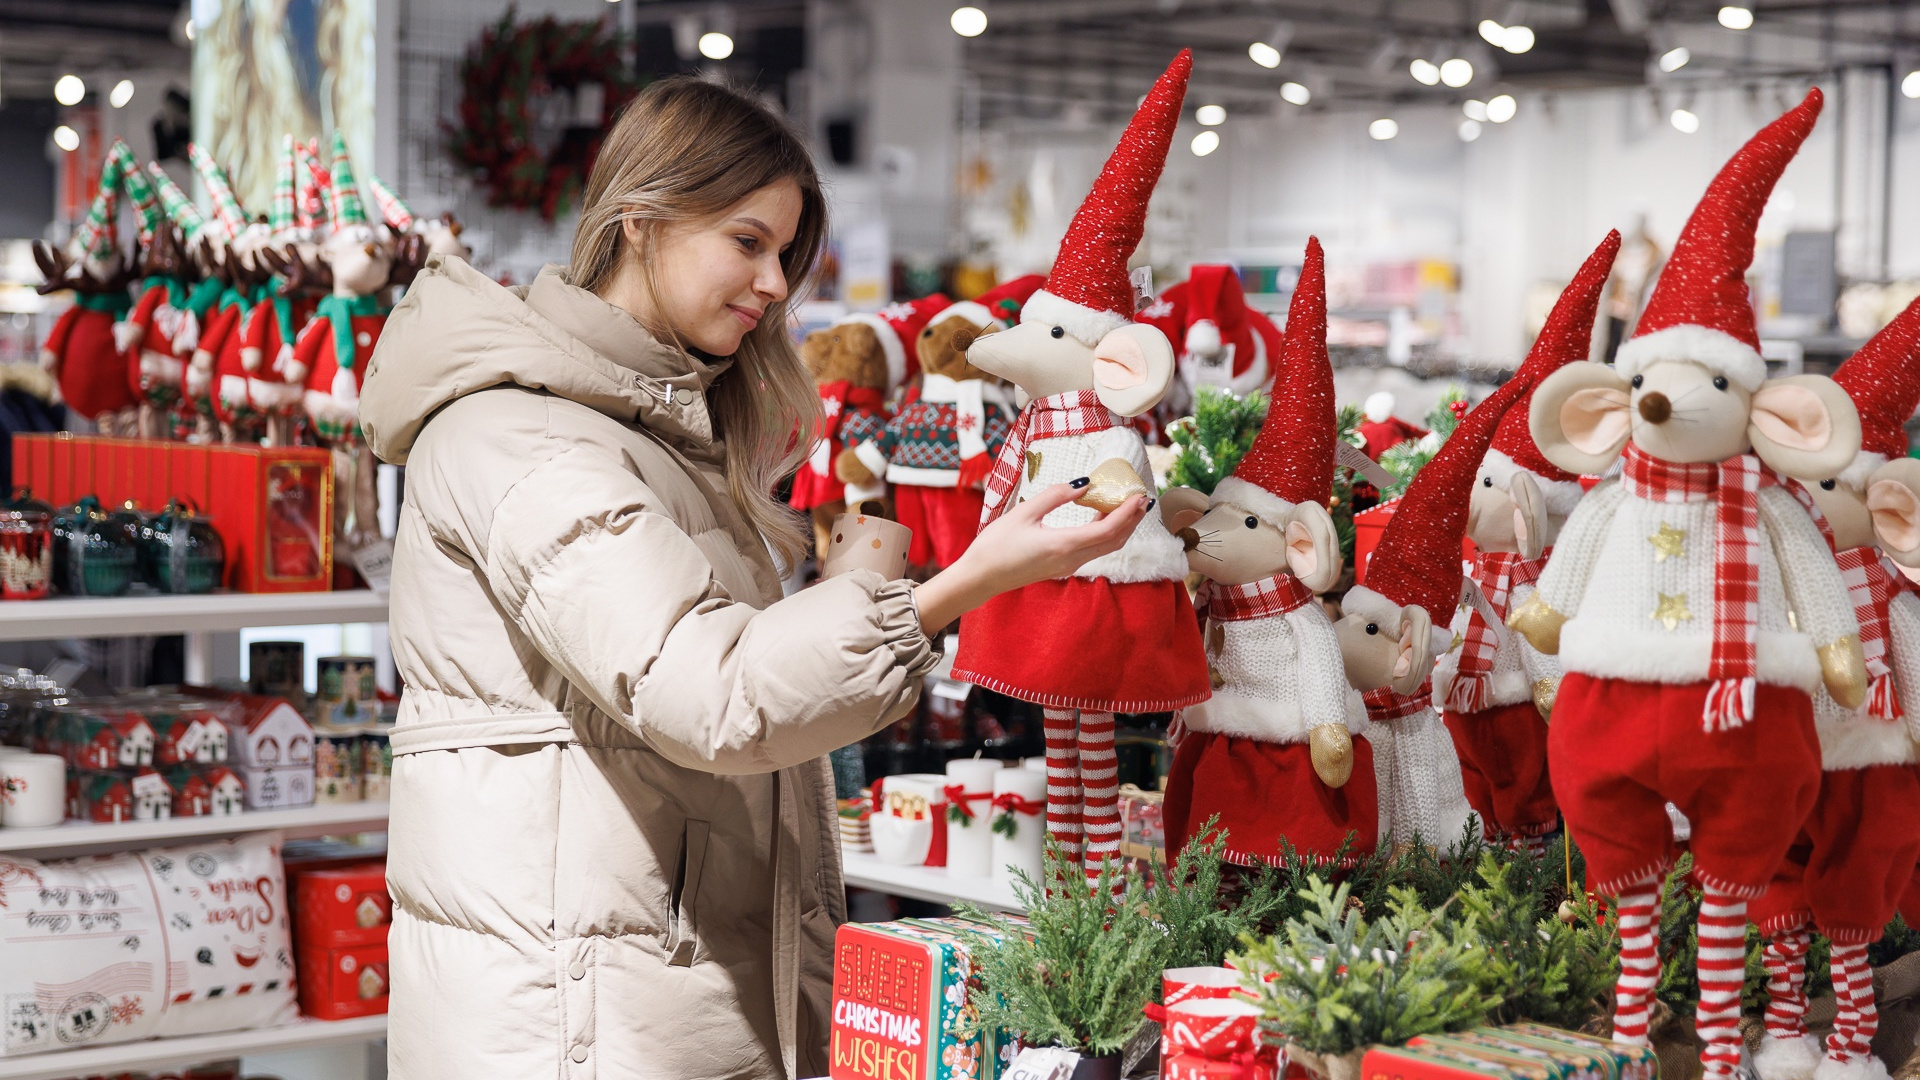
<point>850,370</point>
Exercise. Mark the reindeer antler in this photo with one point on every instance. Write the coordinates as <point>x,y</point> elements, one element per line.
<point>300,274</point>
<point>54,266</point>
<point>409,255</point>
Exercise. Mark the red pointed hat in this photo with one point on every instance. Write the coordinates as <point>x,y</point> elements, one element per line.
<point>1291,460</point>
<point>1217,316</point>
<point>898,327</point>
<point>1088,292</point>
<point>1883,379</point>
<point>1417,561</point>
<point>1566,338</point>
<point>998,307</point>
<point>1700,309</point>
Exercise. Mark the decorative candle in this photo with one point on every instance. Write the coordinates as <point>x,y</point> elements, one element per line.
<point>969,794</point>
<point>1019,822</point>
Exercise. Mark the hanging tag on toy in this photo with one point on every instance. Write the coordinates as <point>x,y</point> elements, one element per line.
<point>1142,278</point>
<point>374,560</point>
<point>1351,456</point>
<point>1477,599</point>
<point>1042,1063</point>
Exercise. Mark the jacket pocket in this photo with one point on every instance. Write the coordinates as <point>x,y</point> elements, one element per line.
<point>682,925</point>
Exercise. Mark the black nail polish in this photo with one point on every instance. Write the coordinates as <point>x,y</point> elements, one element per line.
<point>1080,483</point>
<point>1150,503</point>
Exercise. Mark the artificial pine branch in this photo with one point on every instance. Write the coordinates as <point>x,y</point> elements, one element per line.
<point>1346,422</point>
<point>1212,441</point>
<point>1201,926</point>
<point>1539,968</point>
<point>1406,459</point>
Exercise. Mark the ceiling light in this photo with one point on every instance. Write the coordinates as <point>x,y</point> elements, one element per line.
<point>1674,59</point>
<point>66,138</point>
<point>1211,115</point>
<point>1684,121</point>
<point>1456,72</point>
<point>1519,39</point>
<point>1474,108</point>
<point>1501,108</point>
<point>1734,17</point>
<point>1424,71</point>
<point>1294,93</point>
<point>1469,130</point>
<point>715,45</point>
<point>1206,143</point>
<point>1492,31</point>
<point>188,30</point>
<point>1264,54</point>
<point>69,90</point>
<point>968,21</point>
<point>1910,85</point>
<point>122,93</point>
<point>1383,129</point>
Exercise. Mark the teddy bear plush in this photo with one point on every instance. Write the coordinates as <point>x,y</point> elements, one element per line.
<point>1669,594</point>
<point>80,353</point>
<point>849,366</point>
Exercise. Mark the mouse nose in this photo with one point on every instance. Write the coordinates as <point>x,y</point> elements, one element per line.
<point>1655,408</point>
<point>1188,538</point>
<point>963,340</point>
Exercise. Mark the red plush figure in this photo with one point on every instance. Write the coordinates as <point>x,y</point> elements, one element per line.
<point>147,336</point>
<point>1119,635</point>
<point>80,353</point>
<point>1497,688</point>
<point>1857,850</point>
<point>1272,753</point>
<point>274,383</point>
<point>1224,342</point>
<point>1380,429</point>
<point>203,244</point>
<point>216,380</point>
<point>1668,599</point>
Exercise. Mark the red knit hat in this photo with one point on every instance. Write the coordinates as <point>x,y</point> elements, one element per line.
<point>998,307</point>
<point>1217,318</point>
<point>1418,558</point>
<point>1088,292</point>
<point>1883,379</point>
<point>1567,337</point>
<point>898,327</point>
<point>1700,309</point>
<point>1291,460</point>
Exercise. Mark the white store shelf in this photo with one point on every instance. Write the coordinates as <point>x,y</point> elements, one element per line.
<point>125,616</point>
<point>192,1049</point>
<point>864,870</point>
<point>86,837</point>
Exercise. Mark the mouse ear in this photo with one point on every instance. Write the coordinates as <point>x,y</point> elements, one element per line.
<point>1579,418</point>
<point>1132,367</point>
<point>1313,546</point>
<point>1893,498</point>
<point>1529,514</point>
<point>1804,427</point>
<point>1181,507</point>
<point>1414,662</point>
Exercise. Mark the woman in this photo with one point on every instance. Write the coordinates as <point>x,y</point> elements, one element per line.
<point>613,848</point>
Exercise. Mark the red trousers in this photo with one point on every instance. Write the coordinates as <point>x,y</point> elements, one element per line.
<point>943,520</point>
<point>1855,855</point>
<point>1268,792</point>
<point>1503,763</point>
<point>1619,751</point>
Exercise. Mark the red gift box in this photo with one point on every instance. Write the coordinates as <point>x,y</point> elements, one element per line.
<point>340,906</point>
<point>1369,525</point>
<point>339,984</point>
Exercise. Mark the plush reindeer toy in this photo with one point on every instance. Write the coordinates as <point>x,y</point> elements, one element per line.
<point>1498,689</point>
<point>1844,875</point>
<point>1272,752</point>
<point>1669,593</point>
<point>80,352</point>
<point>1120,634</point>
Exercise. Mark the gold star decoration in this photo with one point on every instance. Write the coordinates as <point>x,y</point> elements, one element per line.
<point>1033,464</point>
<point>1457,639</point>
<point>1667,543</point>
<point>1672,611</point>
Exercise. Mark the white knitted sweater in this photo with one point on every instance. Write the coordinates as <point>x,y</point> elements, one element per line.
<point>1418,772</point>
<point>1151,553</point>
<point>1517,665</point>
<point>1605,576</point>
<point>1854,738</point>
<point>1280,677</point>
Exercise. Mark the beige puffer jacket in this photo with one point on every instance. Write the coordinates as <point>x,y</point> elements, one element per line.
<point>613,851</point>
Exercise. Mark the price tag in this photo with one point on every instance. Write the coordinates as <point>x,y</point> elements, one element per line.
<point>1345,453</point>
<point>148,785</point>
<point>375,562</point>
<point>190,742</point>
<point>1042,1063</point>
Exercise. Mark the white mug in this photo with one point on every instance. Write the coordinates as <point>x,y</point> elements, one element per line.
<point>33,790</point>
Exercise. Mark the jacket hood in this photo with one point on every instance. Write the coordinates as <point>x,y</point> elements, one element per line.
<point>458,331</point>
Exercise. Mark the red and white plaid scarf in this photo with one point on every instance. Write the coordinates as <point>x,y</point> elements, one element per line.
<point>1384,704</point>
<point>1274,595</point>
<point>1734,485</point>
<point>1497,573</point>
<point>1076,412</point>
<point>1872,588</point>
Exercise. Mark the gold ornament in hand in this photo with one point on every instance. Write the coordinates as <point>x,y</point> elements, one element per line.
<point>1544,691</point>
<point>1109,485</point>
<point>1843,667</point>
<point>1539,624</point>
<point>1332,749</point>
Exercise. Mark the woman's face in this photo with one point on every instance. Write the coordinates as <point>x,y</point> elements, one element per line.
<point>717,277</point>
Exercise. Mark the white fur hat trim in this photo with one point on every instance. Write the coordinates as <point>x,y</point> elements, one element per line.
<point>889,344</point>
<point>1084,323</point>
<point>1372,606</point>
<point>1254,499</point>
<point>1561,495</point>
<point>1856,475</point>
<point>977,314</point>
<point>1718,352</point>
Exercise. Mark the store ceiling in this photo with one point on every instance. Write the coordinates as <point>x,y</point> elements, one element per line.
<point>40,40</point>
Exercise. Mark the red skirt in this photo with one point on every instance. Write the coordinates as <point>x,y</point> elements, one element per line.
<point>1088,643</point>
<point>944,521</point>
<point>1268,792</point>
<point>810,489</point>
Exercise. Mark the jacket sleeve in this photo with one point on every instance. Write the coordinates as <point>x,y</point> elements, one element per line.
<point>626,605</point>
<point>1815,591</point>
<point>1575,553</point>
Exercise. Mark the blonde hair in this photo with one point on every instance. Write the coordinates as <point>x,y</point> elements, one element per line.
<point>687,150</point>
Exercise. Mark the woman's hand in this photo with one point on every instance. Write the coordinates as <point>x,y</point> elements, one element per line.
<point>1016,549</point>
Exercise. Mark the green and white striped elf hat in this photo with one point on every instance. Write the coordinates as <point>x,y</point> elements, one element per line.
<point>94,238</point>
<point>310,209</point>
<point>140,193</point>
<point>392,210</point>
<point>281,217</point>
<point>180,208</point>
<point>228,214</point>
<point>344,205</point>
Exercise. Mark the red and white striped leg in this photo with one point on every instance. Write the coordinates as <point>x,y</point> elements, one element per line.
<point>1100,787</point>
<point>1639,964</point>
<point>1858,1018</point>
<point>1063,780</point>
<point>1723,969</point>
<point>1787,1052</point>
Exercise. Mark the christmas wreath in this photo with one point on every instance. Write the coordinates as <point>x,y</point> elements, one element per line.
<point>535,101</point>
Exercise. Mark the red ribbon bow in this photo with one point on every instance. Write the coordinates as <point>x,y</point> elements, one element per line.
<point>958,797</point>
<point>1015,803</point>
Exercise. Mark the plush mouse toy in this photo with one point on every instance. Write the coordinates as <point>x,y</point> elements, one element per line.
<point>1498,689</point>
<point>275,380</point>
<point>1857,850</point>
<point>1412,581</point>
<point>1223,341</point>
<point>80,353</point>
<point>1669,593</point>
<point>1120,634</point>
<point>937,450</point>
<point>1273,752</point>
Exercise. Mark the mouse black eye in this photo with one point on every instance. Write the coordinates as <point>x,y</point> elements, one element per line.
<point>1373,628</point>
<point>1252,522</point>
<point>1637,380</point>
<point>1826,485</point>
<point>1058,331</point>
<point>1719,382</point>
<point>1486,481</point>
